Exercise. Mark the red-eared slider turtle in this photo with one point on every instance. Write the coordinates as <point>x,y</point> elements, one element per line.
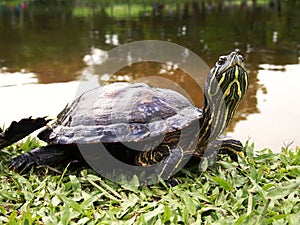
<point>165,125</point>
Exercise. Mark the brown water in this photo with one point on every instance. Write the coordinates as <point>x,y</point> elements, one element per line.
<point>42,49</point>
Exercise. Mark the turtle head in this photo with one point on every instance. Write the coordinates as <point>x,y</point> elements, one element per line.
<point>228,77</point>
<point>225,86</point>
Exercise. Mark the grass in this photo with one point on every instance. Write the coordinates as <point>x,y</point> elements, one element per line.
<point>121,9</point>
<point>118,10</point>
<point>261,189</point>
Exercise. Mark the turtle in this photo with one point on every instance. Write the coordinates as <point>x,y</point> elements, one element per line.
<point>141,125</point>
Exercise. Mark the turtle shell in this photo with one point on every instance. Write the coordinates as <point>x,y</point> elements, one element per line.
<point>122,112</point>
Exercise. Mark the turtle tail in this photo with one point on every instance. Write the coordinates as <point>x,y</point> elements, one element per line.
<point>18,130</point>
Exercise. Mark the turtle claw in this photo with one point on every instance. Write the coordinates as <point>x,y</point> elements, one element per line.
<point>172,182</point>
<point>20,163</point>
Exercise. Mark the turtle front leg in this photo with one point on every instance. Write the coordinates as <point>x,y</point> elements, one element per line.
<point>169,159</point>
<point>231,147</point>
<point>148,158</point>
<point>47,155</point>
<point>222,145</point>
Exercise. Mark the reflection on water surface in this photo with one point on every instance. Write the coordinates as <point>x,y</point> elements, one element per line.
<point>277,122</point>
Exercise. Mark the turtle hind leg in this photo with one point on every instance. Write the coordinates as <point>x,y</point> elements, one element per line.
<point>46,155</point>
<point>18,130</point>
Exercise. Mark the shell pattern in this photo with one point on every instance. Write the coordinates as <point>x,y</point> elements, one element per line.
<point>122,112</point>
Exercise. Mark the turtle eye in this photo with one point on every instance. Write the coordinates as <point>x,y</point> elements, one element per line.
<point>241,58</point>
<point>222,60</point>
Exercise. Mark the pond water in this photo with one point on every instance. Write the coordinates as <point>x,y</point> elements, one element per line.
<point>42,46</point>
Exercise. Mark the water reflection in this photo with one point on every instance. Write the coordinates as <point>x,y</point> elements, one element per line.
<point>278,122</point>
<point>50,38</point>
<point>160,75</point>
<point>16,79</point>
<point>20,101</point>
